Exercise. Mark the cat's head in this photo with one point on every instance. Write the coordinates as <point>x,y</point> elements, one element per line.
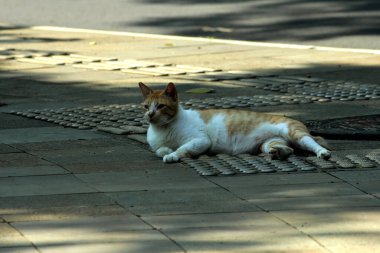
<point>161,106</point>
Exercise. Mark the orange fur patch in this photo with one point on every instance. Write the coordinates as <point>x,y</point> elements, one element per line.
<point>241,121</point>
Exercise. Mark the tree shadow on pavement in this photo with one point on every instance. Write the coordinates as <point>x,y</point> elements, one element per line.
<point>291,20</point>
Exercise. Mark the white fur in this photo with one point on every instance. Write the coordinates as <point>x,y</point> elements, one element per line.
<point>310,144</point>
<point>188,134</point>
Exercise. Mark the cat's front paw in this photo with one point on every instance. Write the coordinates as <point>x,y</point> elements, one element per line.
<point>324,154</point>
<point>171,158</point>
<point>163,151</point>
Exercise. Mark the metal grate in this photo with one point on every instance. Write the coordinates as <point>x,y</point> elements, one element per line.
<point>359,127</point>
<point>118,119</point>
<point>313,88</point>
<point>227,165</point>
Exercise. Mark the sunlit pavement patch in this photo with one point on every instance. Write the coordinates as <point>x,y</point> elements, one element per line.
<point>119,117</point>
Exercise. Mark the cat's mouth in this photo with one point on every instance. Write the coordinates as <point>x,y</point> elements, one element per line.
<point>149,119</point>
<point>159,121</point>
<point>152,120</point>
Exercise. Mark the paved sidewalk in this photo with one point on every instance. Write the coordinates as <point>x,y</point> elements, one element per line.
<point>63,189</point>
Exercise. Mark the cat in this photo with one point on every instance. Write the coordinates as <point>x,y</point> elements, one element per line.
<point>176,133</point>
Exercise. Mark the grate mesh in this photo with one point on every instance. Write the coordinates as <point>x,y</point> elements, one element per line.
<point>248,164</point>
<point>110,116</point>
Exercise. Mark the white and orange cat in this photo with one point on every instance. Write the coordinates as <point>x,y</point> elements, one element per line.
<point>175,133</point>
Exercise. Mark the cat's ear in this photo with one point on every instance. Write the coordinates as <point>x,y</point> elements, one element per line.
<point>145,90</point>
<point>171,91</point>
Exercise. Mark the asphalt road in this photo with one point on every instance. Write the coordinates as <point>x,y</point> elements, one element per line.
<point>338,23</point>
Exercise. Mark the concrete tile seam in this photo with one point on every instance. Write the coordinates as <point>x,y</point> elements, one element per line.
<point>36,175</point>
<point>302,232</point>
<point>23,236</point>
<point>204,213</point>
<point>355,186</point>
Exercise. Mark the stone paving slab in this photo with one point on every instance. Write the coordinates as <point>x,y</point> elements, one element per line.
<point>204,220</point>
<point>110,166</point>
<point>126,222</point>
<point>139,242</point>
<point>31,171</point>
<point>69,144</point>
<point>93,155</point>
<point>268,238</point>
<point>367,180</point>
<point>9,121</point>
<point>12,160</point>
<point>339,230</point>
<point>42,185</point>
<point>237,232</point>
<point>19,250</point>
<point>316,202</point>
<point>39,134</point>
<point>6,149</point>
<point>62,213</point>
<point>172,177</point>
<point>181,201</point>
<point>370,187</point>
<point>37,202</point>
<point>87,158</point>
<point>358,176</point>
<point>10,237</point>
<point>78,144</point>
<point>274,179</point>
<point>124,233</point>
<point>295,191</point>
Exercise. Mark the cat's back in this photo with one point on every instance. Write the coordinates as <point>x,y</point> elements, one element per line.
<point>238,121</point>
<point>238,131</point>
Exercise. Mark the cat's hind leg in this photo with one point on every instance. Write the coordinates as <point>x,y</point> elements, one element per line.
<point>277,148</point>
<point>300,136</point>
<point>307,142</point>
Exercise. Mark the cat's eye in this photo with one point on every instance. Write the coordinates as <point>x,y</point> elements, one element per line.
<point>160,106</point>
<point>146,107</point>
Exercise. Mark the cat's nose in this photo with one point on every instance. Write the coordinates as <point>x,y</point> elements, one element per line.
<point>151,114</point>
